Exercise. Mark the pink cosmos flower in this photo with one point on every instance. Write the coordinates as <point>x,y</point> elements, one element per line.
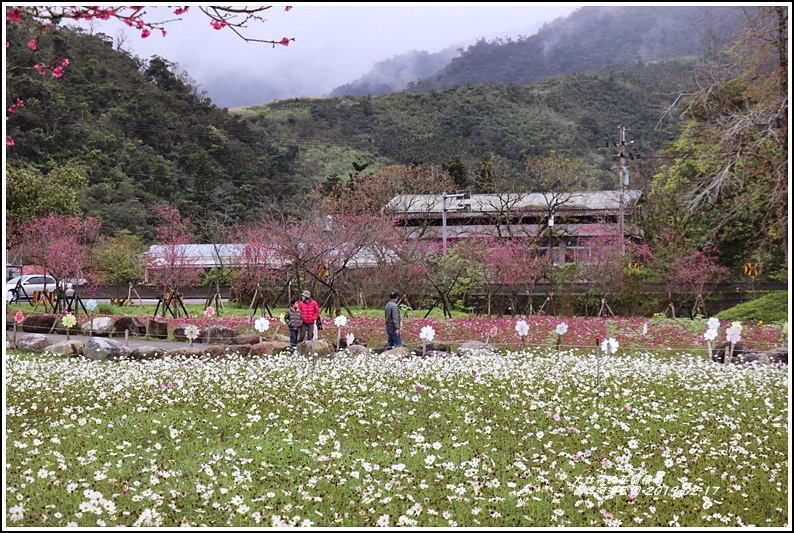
<point>556,416</point>
<point>32,44</point>
<point>418,388</point>
<point>19,317</point>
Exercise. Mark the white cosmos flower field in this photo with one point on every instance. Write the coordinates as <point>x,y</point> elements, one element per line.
<point>517,439</point>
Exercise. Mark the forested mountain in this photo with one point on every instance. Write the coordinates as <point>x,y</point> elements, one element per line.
<point>117,135</point>
<point>590,38</point>
<point>394,74</point>
<point>139,134</point>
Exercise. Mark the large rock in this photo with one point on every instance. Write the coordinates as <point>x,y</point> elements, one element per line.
<point>157,329</point>
<point>185,352</point>
<point>400,351</point>
<point>70,348</point>
<point>740,352</point>
<point>266,348</point>
<point>147,352</point>
<point>39,323</point>
<point>219,335</point>
<point>247,338</point>
<point>778,355</point>
<point>102,326</point>
<point>240,349</point>
<point>101,349</point>
<point>438,346</point>
<point>357,349</point>
<point>315,348</point>
<point>34,342</point>
<point>128,323</point>
<point>475,347</point>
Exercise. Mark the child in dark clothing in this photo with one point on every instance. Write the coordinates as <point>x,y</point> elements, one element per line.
<point>294,320</point>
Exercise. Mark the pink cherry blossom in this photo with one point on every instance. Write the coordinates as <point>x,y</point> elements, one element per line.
<point>32,44</point>
<point>284,41</point>
<point>287,8</point>
<point>9,141</point>
<point>145,33</point>
<point>12,15</point>
<point>57,72</point>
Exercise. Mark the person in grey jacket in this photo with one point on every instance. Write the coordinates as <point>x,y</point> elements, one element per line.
<point>294,320</point>
<point>393,321</point>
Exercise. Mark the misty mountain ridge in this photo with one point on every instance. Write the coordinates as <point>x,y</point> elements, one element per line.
<point>394,75</point>
<point>587,39</point>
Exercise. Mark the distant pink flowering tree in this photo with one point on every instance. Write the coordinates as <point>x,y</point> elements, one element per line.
<point>607,268</point>
<point>686,270</point>
<point>172,262</point>
<point>321,249</point>
<point>235,18</point>
<point>60,244</point>
<point>257,265</point>
<point>519,266</point>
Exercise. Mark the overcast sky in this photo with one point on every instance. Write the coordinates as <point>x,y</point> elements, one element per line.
<point>334,44</point>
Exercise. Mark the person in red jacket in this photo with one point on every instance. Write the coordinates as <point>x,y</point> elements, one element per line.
<point>310,310</point>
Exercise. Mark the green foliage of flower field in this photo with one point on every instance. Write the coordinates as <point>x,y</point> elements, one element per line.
<point>525,438</point>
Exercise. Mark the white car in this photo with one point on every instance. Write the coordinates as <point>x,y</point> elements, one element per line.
<point>30,283</point>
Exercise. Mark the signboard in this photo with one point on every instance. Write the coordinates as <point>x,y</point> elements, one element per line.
<point>752,269</point>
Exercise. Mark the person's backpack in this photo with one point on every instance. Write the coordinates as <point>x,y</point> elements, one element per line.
<point>286,318</point>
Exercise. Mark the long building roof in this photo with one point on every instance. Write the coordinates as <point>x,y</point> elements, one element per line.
<point>579,203</point>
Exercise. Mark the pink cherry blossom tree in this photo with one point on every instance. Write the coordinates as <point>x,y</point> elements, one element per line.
<point>257,263</point>
<point>60,244</point>
<point>172,263</point>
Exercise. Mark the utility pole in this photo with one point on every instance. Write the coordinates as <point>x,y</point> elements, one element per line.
<point>444,197</point>
<point>624,180</point>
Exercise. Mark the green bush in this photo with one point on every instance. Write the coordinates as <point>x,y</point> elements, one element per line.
<point>771,307</point>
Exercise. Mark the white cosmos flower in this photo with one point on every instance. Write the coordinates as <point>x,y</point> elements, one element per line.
<point>340,321</point>
<point>350,339</point>
<point>645,329</point>
<point>427,333</point>
<point>522,328</point>
<point>562,328</point>
<point>714,323</point>
<point>710,334</point>
<point>16,513</point>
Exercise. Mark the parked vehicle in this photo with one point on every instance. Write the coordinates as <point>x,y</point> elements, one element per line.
<point>28,283</point>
